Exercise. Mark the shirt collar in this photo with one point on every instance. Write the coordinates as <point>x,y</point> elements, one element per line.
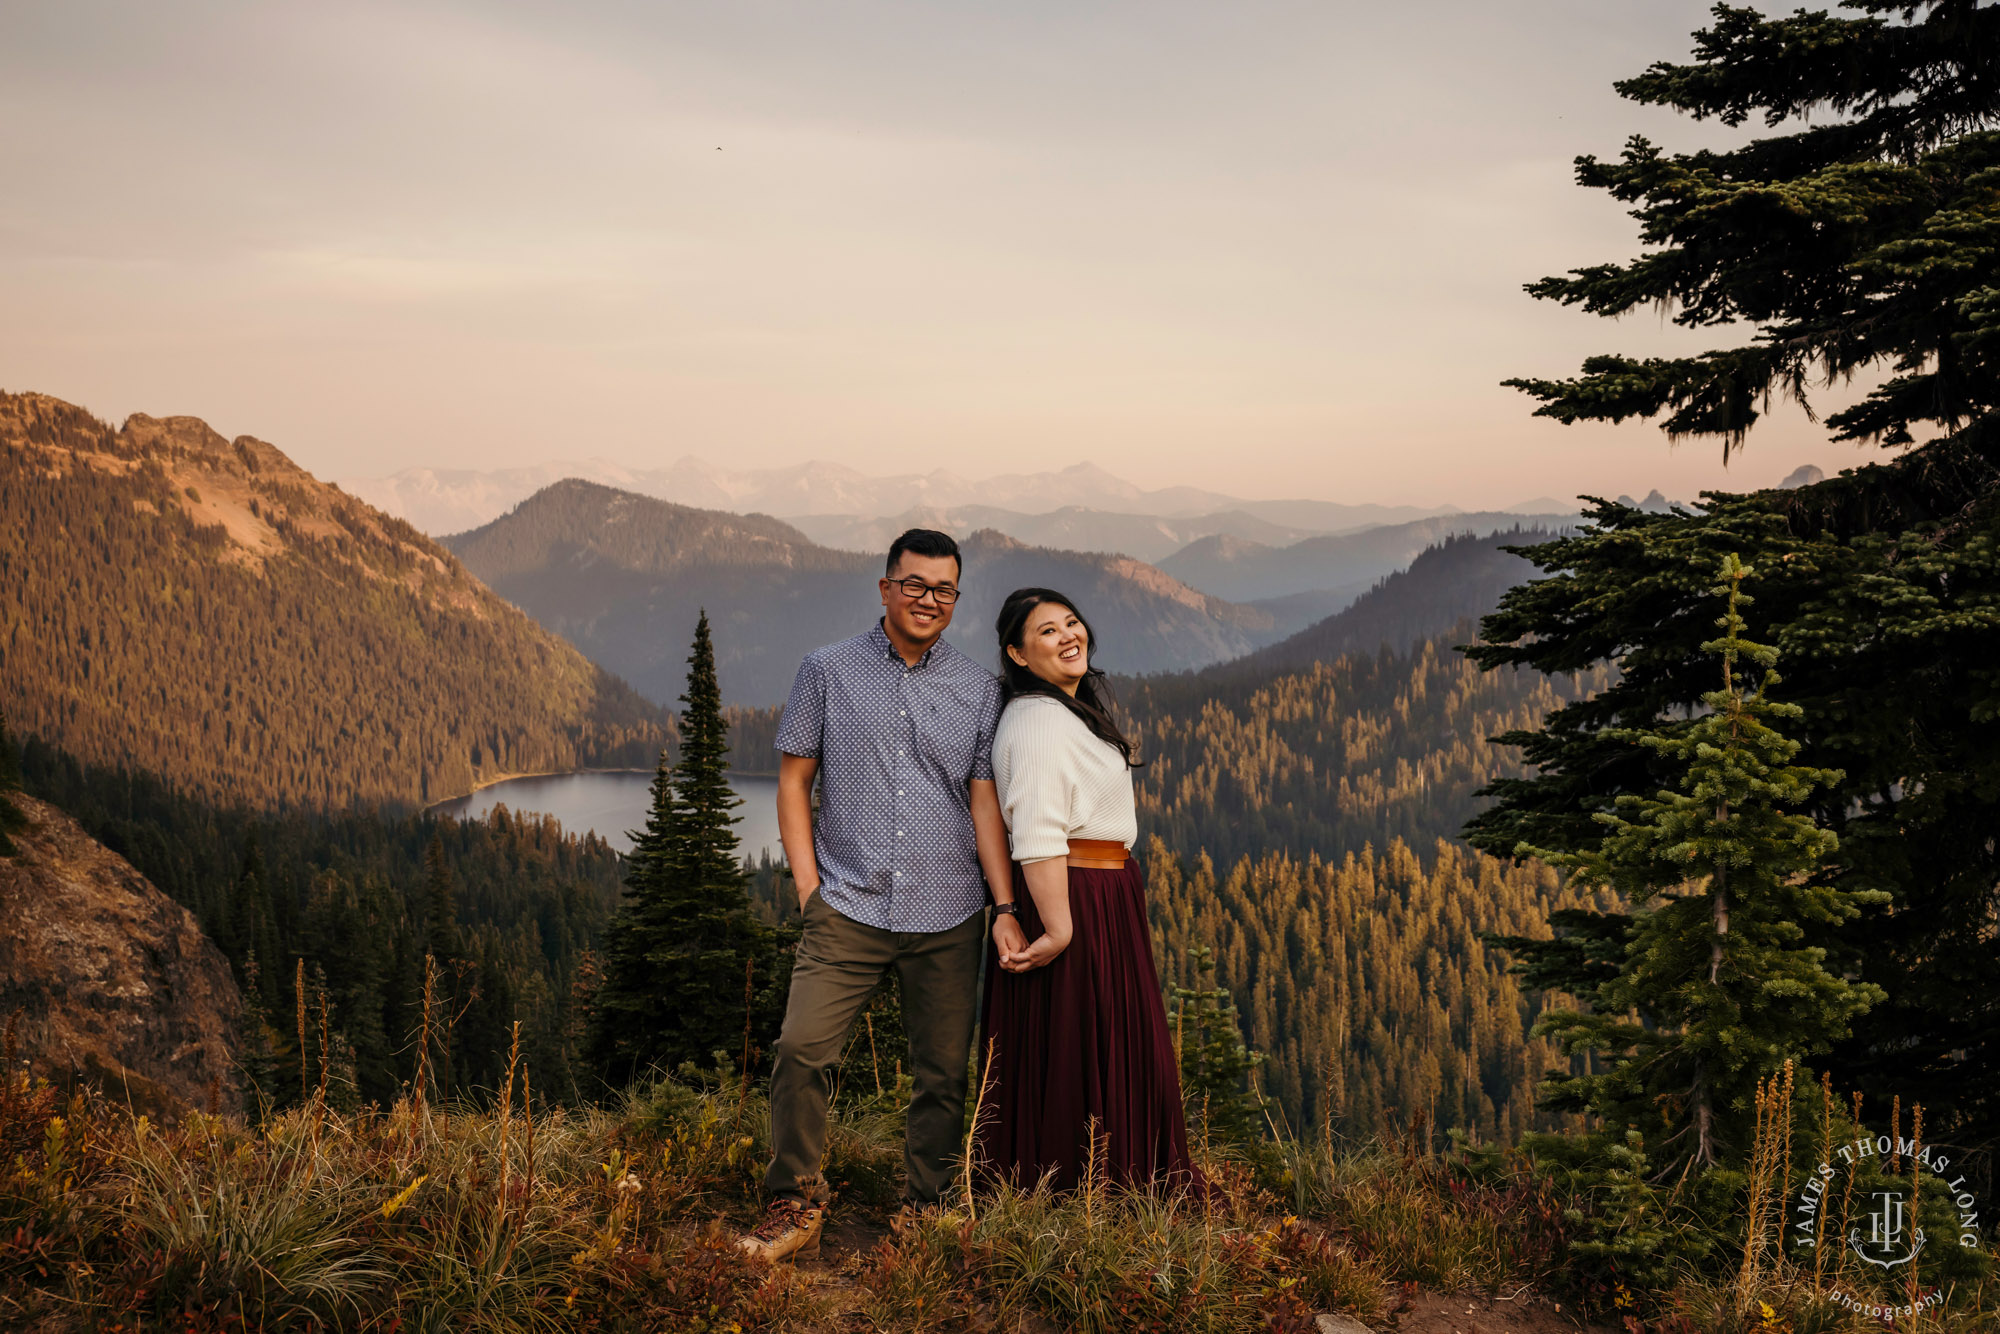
<point>879,637</point>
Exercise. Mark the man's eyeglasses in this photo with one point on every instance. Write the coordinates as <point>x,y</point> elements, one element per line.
<point>914,590</point>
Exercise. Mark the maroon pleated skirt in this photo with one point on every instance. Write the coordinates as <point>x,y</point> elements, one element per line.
<point>1080,1047</point>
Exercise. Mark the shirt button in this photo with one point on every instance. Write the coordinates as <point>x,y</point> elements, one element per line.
<point>899,833</point>
<point>899,792</point>
<point>904,712</point>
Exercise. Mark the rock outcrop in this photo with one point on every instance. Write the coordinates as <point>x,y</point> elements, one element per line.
<point>105,980</point>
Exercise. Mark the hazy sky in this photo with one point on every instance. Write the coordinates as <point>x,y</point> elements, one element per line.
<point>1275,249</point>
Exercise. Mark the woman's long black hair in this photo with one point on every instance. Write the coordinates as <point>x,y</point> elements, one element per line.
<point>1092,701</point>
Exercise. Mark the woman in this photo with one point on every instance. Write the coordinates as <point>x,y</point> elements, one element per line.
<point>1077,1043</point>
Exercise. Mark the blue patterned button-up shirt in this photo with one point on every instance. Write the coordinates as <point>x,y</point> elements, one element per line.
<point>898,747</point>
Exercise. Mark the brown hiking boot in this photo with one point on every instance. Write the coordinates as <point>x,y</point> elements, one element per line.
<point>790,1231</point>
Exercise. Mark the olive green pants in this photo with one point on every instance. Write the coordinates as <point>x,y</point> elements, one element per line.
<point>840,962</point>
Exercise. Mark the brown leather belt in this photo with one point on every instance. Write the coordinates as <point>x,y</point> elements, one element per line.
<point>1098,854</point>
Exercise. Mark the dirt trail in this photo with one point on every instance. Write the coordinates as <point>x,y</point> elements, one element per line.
<point>1471,1313</point>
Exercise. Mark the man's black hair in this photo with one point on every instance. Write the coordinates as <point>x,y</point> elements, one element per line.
<point>923,542</point>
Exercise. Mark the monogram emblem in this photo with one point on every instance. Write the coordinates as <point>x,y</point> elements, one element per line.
<point>1887,1225</point>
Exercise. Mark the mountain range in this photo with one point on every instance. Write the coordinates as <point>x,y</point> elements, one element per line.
<point>824,495</point>
<point>624,576</point>
<point>1148,537</point>
<point>205,610</point>
<point>1447,588</point>
<point>1247,571</point>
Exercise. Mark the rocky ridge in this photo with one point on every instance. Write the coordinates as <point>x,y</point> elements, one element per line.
<point>104,980</point>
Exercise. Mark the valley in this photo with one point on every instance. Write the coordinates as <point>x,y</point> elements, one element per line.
<point>1286,764</point>
<point>1273,751</point>
<point>392,782</point>
<point>1506,843</point>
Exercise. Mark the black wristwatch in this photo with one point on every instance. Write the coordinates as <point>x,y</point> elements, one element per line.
<point>1007,909</point>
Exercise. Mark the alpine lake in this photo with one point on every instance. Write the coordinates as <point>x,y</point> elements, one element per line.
<point>612,803</point>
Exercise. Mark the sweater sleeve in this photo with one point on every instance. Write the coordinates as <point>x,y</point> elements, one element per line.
<point>1036,793</point>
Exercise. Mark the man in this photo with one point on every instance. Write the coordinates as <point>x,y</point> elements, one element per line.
<point>898,727</point>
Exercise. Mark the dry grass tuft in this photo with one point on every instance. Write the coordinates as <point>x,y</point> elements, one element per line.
<point>526,1217</point>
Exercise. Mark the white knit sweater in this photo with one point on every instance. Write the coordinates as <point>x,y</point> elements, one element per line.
<point>1057,781</point>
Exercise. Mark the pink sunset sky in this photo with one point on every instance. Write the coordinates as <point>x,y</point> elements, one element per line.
<point>1272,249</point>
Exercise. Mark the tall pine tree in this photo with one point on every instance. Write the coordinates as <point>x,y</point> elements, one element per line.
<point>1860,235</point>
<point>249,929</point>
<point>685,947</point>
<point>1862,239</point>
<point>1711,983</point>
<point>440,904</point>
<point>1216,1063</point>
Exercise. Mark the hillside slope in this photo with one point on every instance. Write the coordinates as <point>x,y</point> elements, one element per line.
<point>624,577</point>
<point>1307,799</point>
<point>1451,584</point>
<point>1324,759</point>
<point>1247,571</point>
<point>1305,821</point>
<point>206,610</point>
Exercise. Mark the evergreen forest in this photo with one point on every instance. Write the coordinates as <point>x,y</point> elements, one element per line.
<point>1301,826</point>
<point>508,908</point>
<point>1855,242</point>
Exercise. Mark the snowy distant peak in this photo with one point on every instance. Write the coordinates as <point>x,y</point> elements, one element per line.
<point>440,500</point>
<point>450,500</point>
<point>457,500</point>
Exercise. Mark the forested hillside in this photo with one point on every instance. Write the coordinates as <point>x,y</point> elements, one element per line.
<point>1364,980</point>
<point>1303,819</point>
<point>1365,749</point>
<point>508,906</point>
<point>1307,798</point>
<point>624,577</point>
<point>1450,584</point>
<point>205,610</point>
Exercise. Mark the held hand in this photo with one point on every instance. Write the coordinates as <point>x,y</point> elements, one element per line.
<point>1008,937</point>
<point>1045,950</point>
